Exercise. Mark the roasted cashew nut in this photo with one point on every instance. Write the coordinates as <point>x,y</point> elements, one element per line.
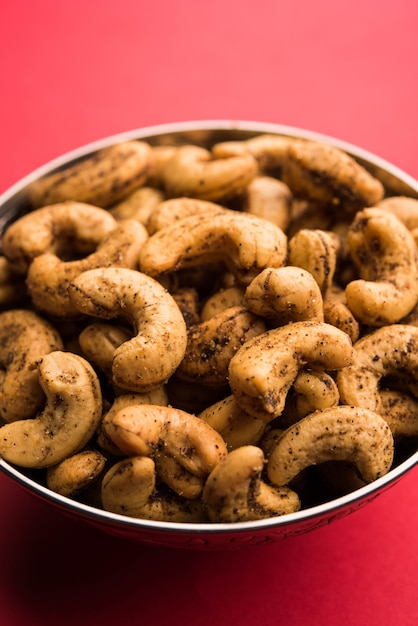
<point>285,294</point>
<point>264,369</point>
<point>221,300</point>
<point>193,172</point>
<point>76,473</point>
<point>269,199</point>
<point>49,277</point>
<point>270,151</point>
<point>235,425</point>
<point>24,339</point>
<point>391,351</point>
<point>129,488</point>
<point>171,211</point>
<point>316,251</point>
<point>337,313</point>
<point>139,205</point>
<point>311,391</point>
<point>159,432</point>
<point>98,342</point>
<point>400,410</point>
<point>65,229</point>
<point>212,344</point>
<point>101,179</point>
<point>245,243</point>
<point>148,359</point>
<point>385,254</point>
<point>404,208</point>
<point>68,421</point>
<point>341,433</point>
<point>321,172</point>
<point>234,491</point>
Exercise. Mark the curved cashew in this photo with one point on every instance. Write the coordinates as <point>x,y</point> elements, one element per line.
<point>269,199</point>
<point>49,277</point>
<point>76,473</point>
<point>101,179</point>
<point>235,425</point>
<point>128,488</point>
<point>341,433</point>
<point>98,343</point>
<point>171,211</point>
<point>156,396</point>
<point>270,151</point>
<point>68,421</point>
<point>161,331</point>
<point>337,313</point>
<point>316,251</point>
<point>192,171</point>
<point>263,370</point>
<point>285,294</point>
<point>65,229</point>
<point>322,172</point>
<point>139,205</point>
<point>212,344</point>
<point>404,208</point>
<point>385,254</point>
<point>223,299</point>
<point>311,391</point>
<point>245,243</point>
<point>159,432</point>
<point>234,491</point>
<point>388,351</point>
<point>400,410</point>
<point>24,339</point>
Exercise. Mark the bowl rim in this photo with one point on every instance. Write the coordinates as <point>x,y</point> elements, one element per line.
<point>363,494</point>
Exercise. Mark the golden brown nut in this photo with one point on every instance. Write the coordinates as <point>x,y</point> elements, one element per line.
<point>139,205</point>
<point>25,338</point>
<point>68,421</point>
<point>245,243</point>
<point>112,292</point>
<point>263,370</point>
<point>171,211</point>
<point>234,491</point>
<point>385,254</point>
<point>285,294</point>
<point>316,251</point>
<point>269,199</point>
<point>342,433</point>
<point>101,179</point>
<point>75,473</point>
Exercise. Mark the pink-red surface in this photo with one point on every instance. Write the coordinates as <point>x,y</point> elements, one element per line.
<point>73,72</point>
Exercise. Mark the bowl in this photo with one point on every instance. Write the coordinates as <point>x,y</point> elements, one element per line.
<point>14,203</point>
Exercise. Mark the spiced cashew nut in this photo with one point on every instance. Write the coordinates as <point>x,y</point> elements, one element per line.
<point>341,433</point>
<point>68,421</point>
<point>148,359</point>
<point>235,492</point>
<point>24,339</point>
<point>264,369</point>
<point>385,253</point>
<point>245,243</point>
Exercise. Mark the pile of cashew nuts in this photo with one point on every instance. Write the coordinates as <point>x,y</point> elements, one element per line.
<point>223,334</point>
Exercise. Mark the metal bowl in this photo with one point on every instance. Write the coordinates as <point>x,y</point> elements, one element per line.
<point>14,203</point>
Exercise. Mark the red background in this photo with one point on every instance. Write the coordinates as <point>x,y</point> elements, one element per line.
<point>73,72</point>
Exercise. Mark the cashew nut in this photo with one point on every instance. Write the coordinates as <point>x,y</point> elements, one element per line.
<point>223,299</point>
<point>161,331</point>
<point>139,205</point>
<point>171,211</point>
<point>264,369</point>
<point>129,488</point>
<point>234,491</point>
<point>269,199</point>
<point>341,433</point>
<point>245,243</point>
<point>49,277</point>
<point>212,344</point>
<point>322,172</point>
<point>71,415</point>
<point>24,339</point>
<point>404,208</point>
<point>76,473</point>
<point>285,294</point>
<point>65,229</point>
<point>193,171</point>
<point>316,251</point>
<point>160,432</point>
<point>385,254</point>
<point>235,425</point>
<point>391,351</point>
<point>270,151</point>
<point>101,179</point>
<point>311,391</point>
<point>400,410</point>
<point>98,343</point>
